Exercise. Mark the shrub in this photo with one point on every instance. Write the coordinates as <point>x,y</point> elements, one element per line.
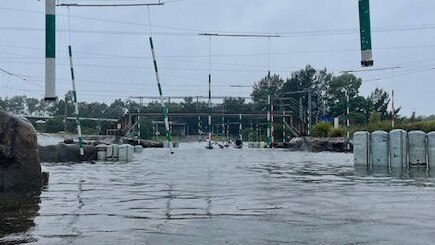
<point>320,130</point>
<point>338,132</point>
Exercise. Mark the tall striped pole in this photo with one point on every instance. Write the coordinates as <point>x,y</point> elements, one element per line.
<point>138,125</point>
<point>223,125</point>
<point>162,103</point>
<point>269,108</point>
<point>210,146</point>
<point>199,117</point>
<point>347,120</point>
<point>283,127</point>
<point>76,104</point>
<point>209,112</point>
<point>272,129</point>
<point>240,127</point>
<point>50,50</point>
<point>365,33</point>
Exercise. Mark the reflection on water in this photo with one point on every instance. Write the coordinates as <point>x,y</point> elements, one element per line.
<point>415,172</point>
<point>18,211</point>
<point>249,196</point>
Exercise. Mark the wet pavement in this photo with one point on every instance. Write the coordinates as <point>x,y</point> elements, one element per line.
<point>224,196</point>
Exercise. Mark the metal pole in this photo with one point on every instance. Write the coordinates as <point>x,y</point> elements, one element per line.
<point>199,117</point>
<point>283,127</point>
<point>50,50</point>
<point>272,129</point>
<point>347,120</point>
<point>138,122</point>
<point>240,127</point>
<point>162,103</point>
<point>210,146</point>
<point>301,115</point>
<point>65,119</point>
<point>309,111</point>
<point>76,104</point>
<point>209,112</point>
<point>393,113</point>
<point>269,109</point>
<point>223,125</point>
<point>251,131</point>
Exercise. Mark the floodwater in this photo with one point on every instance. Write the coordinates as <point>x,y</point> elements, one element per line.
<point>224,196</point>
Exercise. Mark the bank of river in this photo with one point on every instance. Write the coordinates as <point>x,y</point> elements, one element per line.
<point>249,196</point>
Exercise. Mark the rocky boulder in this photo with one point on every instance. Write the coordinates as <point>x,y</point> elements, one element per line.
<point>20,167</point>
<point>333,144</point>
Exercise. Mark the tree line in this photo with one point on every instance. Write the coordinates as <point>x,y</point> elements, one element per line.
<point>321,91</point>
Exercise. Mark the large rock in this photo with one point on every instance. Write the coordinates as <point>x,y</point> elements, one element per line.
<point>338,144</point>
<point>334,144</point>
<point>67,153</point>
<point>20,167</point>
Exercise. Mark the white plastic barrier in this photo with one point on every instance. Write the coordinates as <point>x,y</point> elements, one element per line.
<point>138,149</point>
<point>431,148</point>
<point>379,149</point>
<point>261,144</point>
<point>112,153</point>
<point>417,147</point>
<point>398,148</point>
<point>130,152</point>
<point>125,153</point>
<point>102,152</point>
<point>361,143</point>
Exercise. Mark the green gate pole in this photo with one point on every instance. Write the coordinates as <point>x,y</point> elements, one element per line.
<point>50,50</point>
<point>365,33</point>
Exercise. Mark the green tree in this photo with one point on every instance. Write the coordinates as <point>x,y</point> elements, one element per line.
<point>308,79</point>
<point>259,93</point>
<point>336,92</point>
<point>54,125</point>
<point>378,102</point>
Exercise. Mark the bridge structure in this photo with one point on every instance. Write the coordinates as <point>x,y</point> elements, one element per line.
<point>292,114</point>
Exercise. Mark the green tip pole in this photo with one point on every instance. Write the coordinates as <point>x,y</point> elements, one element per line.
<point>209,113</point>
<point>365,33</point>
<point>50,50</point>
<point>269,109</point>
<point>162,103</point>
<point>76,104</point>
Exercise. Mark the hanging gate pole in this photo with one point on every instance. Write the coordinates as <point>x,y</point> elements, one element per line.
<point>269,108</point>
<point>76,104</point>
<point>162,103</point>
<point>50,50</point>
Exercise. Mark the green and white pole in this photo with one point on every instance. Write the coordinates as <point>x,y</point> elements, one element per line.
<point>223,125</point>
<point>269,109</point>
<point>162,103</point>
<point>199,117</point>
<point>283,127</point>
<point>365,33</point>
<point>50,50</point>
<point>347,120</point>
<point>209,112</point>
<point>240,127</point>
<point>210,129</point>
<point>138,125</point>
<point>76,104</point>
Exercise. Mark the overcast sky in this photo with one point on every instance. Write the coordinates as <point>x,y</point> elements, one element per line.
<point>113,59</point>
